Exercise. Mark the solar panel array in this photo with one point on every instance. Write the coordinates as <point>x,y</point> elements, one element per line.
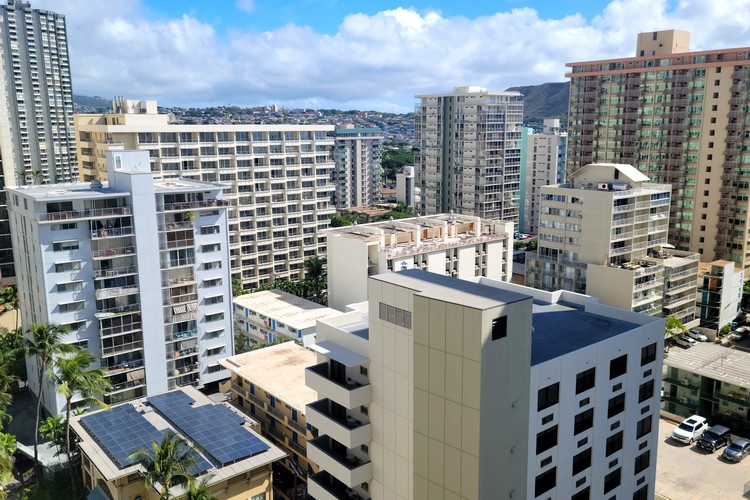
<point>214,427</point>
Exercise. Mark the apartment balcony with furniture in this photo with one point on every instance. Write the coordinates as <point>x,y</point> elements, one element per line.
<point>343,463</point>
<point>336,385</point>
<point>333,420</point>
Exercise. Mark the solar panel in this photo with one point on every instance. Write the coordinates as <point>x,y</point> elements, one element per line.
<point>214,427</point>
<point>123,430</point>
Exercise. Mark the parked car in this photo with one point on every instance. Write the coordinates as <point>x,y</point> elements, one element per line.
<point>740,333</point>
<point>684,341</point>
<point>714,438</point>
<point>690,429</point>
<point>696,335</point>
<point>737,450</point>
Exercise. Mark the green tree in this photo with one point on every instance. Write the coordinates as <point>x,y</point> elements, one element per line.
<point>44,342</point>
<point>746,293</point>
<point>237,289</point>
<point>6,466</point>
<point>53,428</point>
<point>673,328</point>
<point>198,490</point>
<point>393,160</point>
<point>315,268</point>
<point>532,244</point>
<point>12,345</point>
<point>724,330</point>
<point>167,463</point>
<point>74,376</point>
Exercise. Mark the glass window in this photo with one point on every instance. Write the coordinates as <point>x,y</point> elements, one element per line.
<point>585,380</point>
<point>618,366</point>
<point>614,443</point>
<point>548,396</point>
<point>546,439</point>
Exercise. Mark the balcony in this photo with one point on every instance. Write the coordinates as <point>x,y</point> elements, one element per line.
<point>107,293</point>
<point>347,430</point>
<point>111,312</point>
<point>116,271</point>
<point>127,385</point>
<point>112,252</point>
<point>83,214</point>
<point>323,486</point>
<point>347,468</point>
<point>191,205</point>
<point>112,232</point>
<point>122,348</point>
<point>347,393</point>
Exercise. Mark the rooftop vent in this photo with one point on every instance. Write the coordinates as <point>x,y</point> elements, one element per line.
<point>96,184</point>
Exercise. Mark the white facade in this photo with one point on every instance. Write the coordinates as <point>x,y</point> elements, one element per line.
<point>459,246</point>
<point>416,370</point>
<point>357,174</point>
<point>720,286</point>
<point>469,158</point>
<point>37,143</point>
<point>276,178</point>
<point>545,165</point>
<point>406,189</point>
<point>138,271</point>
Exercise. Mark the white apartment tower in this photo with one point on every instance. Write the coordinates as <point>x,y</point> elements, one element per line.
<point>469,158</point>
<point>37,143</point>
<point>406,191</point>
<point>604,233</point>
<point>443,388</point>
<point>137,269</point>
<point>357,174</point>
<point>276,179</point>
<point>544,165</point>
<point>460,246</point>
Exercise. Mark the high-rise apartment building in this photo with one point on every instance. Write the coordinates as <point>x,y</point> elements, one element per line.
<point>406,190</point>
<point>681,118</point>
<point>469,158</point>
<point>276,178</point>
<point>544,164</point>
<point>137,270</point>
<point>720,286</point>
<point>459,389</point>
<point>455,245</point>
<point>37,143</point>
<point>604,233</point>
<point>357,175</point>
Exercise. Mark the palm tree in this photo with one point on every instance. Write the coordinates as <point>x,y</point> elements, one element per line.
<point>44,343</point>
<point>53,428</point>
<point>166,463</point>
<point>198,490</point>
<point>9,300</point>
<point>315,268</point>
<point>73,376</point>
<point>6,468</point>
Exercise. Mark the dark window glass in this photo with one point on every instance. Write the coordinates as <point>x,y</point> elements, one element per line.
<point>642,462</point>
<point>499,328</point>
<point>618,366</point>
<point>643,427</point>
<point>645,391</point>
<point>614,443</point>
<point>548,396</point>
<point>648,354</point>
<point>583,421</point>
<point>585,380</point>
<point>611,481</point>
<point>546,440</point>
<point>545,481</point>
<point>582,461</point>
<point>584,494</point>
<point>641,494</point>
<point>616,406</point>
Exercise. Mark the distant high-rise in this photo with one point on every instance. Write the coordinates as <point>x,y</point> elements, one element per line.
<point>37,142</point>
<point>357,174</point>
<point>681,118</point>
<point>469,158</point>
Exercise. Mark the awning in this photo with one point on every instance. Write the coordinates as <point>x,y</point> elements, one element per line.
<point>338,353</point>
<point>136,375</point>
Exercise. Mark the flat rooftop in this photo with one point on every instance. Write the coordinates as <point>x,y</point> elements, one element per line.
<point>278,370</point>
<point>714,361</point>
<point>289,309</point>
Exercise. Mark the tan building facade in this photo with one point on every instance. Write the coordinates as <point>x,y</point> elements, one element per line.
<point>681,118</point>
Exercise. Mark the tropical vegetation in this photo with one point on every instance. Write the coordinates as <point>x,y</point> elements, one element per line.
<point>166,464</point>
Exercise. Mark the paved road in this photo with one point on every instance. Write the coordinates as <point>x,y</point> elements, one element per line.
<point>687,472</point>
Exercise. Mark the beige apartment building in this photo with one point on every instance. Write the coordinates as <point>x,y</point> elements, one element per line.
<point>469,158</point>
<point>604,233</point>
<point>681,118</point>
<point>358,174</point>
<point>277,179</point>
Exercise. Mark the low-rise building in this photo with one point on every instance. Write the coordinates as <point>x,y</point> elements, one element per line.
<point>270,315</point>
<point>269,384</point>
<point>230,456</point>
<point>720,286</point>
<point>460,246</point>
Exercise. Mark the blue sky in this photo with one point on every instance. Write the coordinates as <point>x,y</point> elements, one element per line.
<point>359,54</point>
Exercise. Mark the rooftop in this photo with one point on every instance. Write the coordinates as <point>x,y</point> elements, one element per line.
<point>714,361</point>
<point>278,370</point>
<point>289,309</point>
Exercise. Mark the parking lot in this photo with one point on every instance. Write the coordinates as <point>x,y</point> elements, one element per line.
<point>687,472</point>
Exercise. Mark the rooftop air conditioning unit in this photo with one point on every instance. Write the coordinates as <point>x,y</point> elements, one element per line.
<point>685,381</point>
<point>603,186</point>
<point>683,400</point>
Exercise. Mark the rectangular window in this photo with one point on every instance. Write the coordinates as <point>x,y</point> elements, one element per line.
<point>548,396</point>
<point>214,317</point>
<point>70,286</point>
<point>641,493</point>
<point>582,461</point>
<point>616,406</point>
<point>618,366</point>
<point>215,351</point>
<point>648,354</point>
<point>75,326</point>
<point>212,283</point>
<point>207,266</point>
<point>216,299</point>
<point>214,368</point>
<point>63,227</point>
<point>546,439</point>
<point>215,334</point>
<point>643,427</point>
<point>584,494</point>
<point>71,306</point>
<point>642,462</point>
<point>68,266</point>
<point>206,137</point>
<point>499,328</point>
<point>645,391</point>
<point>545,481</point>
<point>614,443</point>
<point>210,230</point>
<point>215,247</point>
<point>62,246</point>
<point>585,380</point>
<point>611,481</point>
<point>583,421</point>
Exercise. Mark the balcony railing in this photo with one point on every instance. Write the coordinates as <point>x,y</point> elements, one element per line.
<point>124,365</point>
<point>84,214</point>
<point>189,205</point>
<point>130,346</point>
<point>116,271</point>
<point>127,385</point>
<point>113,252</point>
<point>111,232</point>
<point>106,293</point>
<point>324,486</point>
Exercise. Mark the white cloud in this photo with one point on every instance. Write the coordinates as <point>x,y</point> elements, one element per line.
<point>246,5</point>
<point>373,61</point>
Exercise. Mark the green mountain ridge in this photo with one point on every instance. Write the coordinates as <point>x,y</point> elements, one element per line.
<point>548,100</point>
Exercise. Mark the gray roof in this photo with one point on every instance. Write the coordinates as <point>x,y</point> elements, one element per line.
<point>714,361</point>
<point>627,170</point>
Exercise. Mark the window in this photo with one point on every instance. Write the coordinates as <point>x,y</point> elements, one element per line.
<point>215,334</point>
<point>210,230</point>
<point>259,496</point>
<point>642,462</point>
<point>641,493</point>
<point>68,266</point>
<point>611,481</point>
<point>583,421</point>
<point>71,306</point>
<point>585,380</point>
<point>212,265</point>
<point>618,366</point>
<point>70,286</point>
<point>214,317</point>
<point>62,227</point>
<point>548,396</point>
<point>499,328</point>
<point>546,439</point>
<point>217,299</point>
<point>212,283</point>
<point>582,461</point>
<point>648,354</point>
<point>215,247</point>
<point>616,406</point>
<point>645,391</point>
<point>584,494</point>
<point>545,481</point>
<point>62,246</point>
<point>614,443</point>
<point>643,427</point>
<point>81,344</point>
